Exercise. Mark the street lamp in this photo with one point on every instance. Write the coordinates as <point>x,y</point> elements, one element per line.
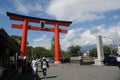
<point>112,41</point>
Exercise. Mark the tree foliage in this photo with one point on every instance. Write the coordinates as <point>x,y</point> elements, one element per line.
<point>64,54</point>
<point>29,51</point>
<point>74,50</point>
<point>52,48</point>
<point>93,52</point>
<point>40,52</point>
<point>107,51</point>
<point>17,38</point>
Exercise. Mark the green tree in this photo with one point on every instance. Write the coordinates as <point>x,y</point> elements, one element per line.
<point>64,54</point>
<point>29,51</point>
<point>52,49</point>
<point>37,52</point>
<point>93,52</point>
<point>74,50</point>
<point>107,51</point>
<point>17,38</point>
<point>40,52</point>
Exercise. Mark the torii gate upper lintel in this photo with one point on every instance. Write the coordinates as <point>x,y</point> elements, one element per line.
<point>25,27</point>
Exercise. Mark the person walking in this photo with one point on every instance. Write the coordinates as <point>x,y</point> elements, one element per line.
<point>19,66</point>
<point>118,60</point>
<point>44,66</point>
<point>34,65</point>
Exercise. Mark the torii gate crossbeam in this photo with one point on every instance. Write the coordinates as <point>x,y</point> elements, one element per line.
<point>25,27</point>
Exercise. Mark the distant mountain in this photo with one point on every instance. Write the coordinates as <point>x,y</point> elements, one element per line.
<point>87,48</point>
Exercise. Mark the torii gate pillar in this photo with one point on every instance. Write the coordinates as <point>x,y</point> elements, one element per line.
<point>57,44</point>
<point>24,38</point>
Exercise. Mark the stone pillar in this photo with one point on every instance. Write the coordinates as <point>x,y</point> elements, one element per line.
<point>100,52</point>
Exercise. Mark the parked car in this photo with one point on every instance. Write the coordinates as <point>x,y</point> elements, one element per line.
<point>86,61</point>
<point>50,60</point>
<point>65,60</point>
<point>110,60</point>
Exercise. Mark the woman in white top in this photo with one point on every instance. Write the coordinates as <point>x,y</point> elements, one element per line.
<point>44,66</point>
<point>34,66</point>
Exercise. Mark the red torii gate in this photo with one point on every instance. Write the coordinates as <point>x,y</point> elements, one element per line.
<point>25,27</point>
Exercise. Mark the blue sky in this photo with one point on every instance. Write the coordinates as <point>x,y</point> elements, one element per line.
<point>89,18</point>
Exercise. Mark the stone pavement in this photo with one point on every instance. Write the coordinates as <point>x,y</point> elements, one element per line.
<point>76,72</point>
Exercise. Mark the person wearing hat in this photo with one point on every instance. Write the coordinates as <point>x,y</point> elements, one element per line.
<point>44,66</point>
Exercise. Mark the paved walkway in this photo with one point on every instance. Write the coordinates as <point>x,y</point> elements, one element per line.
<point>76,72</point>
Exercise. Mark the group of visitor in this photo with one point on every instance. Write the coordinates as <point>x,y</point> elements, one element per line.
<point>27,65</point>
<point>23,65</point>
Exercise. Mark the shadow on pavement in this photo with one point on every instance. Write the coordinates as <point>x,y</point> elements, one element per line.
<point>25,76</point>
<point>50,77</point>
<point>29,76</point>
<point>37,77</point>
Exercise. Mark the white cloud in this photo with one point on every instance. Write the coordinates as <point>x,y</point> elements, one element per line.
<point>82,10</point>
<point>82,36</point>
<point>26,7</point>
<point>2,11</point>
<point>43,41</point>
<point>115,17</point>
<point>88,36</point>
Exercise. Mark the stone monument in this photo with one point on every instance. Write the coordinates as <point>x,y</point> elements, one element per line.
<point>100,52</point>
